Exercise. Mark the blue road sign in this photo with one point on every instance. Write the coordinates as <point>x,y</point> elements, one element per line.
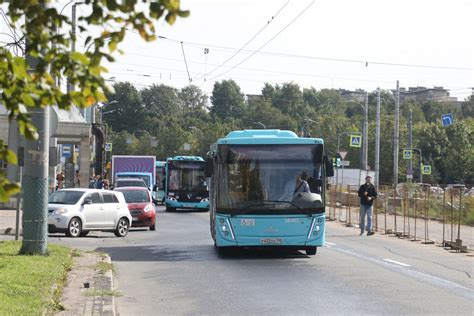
<point>407,153</point>
<point>426,169</point>
<point>447,119</point>
<point>108,147</point>
<point>356,141</point>
<point>66,151</point>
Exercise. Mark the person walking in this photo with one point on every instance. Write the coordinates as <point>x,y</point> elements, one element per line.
<point>367,194</point>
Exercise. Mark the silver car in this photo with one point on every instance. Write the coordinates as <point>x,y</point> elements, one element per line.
<point>78,211</point>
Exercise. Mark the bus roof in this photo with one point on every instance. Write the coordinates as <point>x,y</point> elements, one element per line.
<point>266,136</point>
<point>160,163</point>
<point>186,158</point>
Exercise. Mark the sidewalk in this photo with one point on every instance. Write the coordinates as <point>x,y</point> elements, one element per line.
<point>407,225</point>
<point>89,289</point>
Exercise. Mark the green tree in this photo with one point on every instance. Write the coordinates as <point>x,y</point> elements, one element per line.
<point>160,101</point>
<point>191,98</point>
<point>467,108</point>
<point>227,100</point>
<point>125,111</point>
<point>23,88</point>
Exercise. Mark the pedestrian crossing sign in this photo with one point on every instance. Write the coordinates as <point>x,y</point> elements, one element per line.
<point>407,153</point>
<point>426,169</point>
<point>356,141</point>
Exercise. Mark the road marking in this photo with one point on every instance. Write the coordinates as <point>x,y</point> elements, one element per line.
<point>397,262</point>
<point>330,243</point>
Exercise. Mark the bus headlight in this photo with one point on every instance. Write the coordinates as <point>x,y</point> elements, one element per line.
<point>225,228</point>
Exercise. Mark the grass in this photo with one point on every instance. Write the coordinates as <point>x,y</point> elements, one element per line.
<point>32,285</point>
<point>103,267</point>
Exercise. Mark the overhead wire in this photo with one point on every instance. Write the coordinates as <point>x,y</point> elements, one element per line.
<point>346,60</point>
<point>247,43</point>
<point>267,42</point>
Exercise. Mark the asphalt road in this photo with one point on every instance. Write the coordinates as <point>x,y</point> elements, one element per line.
<point>175,271</point>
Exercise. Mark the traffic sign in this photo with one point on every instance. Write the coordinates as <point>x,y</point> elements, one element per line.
<point>407,153</point>
<point>426,169</point>
<point>66,151</point>
<point>108,147</point>
<point>356,141</point>
<point>447,119</point>
<point>343,154</point>
<point>345,163</point>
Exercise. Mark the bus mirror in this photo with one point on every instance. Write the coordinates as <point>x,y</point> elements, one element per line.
<point>329,167</point>
<point>209,167</point>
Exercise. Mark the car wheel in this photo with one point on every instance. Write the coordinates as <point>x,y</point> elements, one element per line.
<point>311,251</point>
<point>152,227</point>
<point>84,233</point>
<point>74,227</point>
<point>122,227</point>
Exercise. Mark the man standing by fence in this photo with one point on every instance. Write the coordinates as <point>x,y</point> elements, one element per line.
<point>367,195</point>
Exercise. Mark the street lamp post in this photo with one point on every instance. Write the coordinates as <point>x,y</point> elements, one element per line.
<point>420,163</point>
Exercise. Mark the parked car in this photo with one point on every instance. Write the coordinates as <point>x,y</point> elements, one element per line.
<point>78,211</point>
<point>140,205</point>
<point>130,182</point>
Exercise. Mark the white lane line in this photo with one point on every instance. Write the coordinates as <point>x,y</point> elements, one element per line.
<point>329,243</point>
<point>397,262</point>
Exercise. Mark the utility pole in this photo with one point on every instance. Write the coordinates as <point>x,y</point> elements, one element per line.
<point>377,141</point>
<point>396,136</point>
<point>410,146</point>
<point>35,180</point>
<point>366,132</point>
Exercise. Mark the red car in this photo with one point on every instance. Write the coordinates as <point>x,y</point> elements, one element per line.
<point>140,205</point>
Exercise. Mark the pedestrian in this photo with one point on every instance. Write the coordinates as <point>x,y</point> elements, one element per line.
<point>367,194</point>
<point>77,181</point>
<point>99,183</point>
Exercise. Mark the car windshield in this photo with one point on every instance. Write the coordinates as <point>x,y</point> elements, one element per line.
<point>145,178</point>
<point>130,183</point>
<point>65,197</point>
<point>268,177</point>
<point>187,175</point>
<point>135,196</point>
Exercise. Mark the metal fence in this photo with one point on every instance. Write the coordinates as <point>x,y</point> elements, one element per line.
<point>418,213</point>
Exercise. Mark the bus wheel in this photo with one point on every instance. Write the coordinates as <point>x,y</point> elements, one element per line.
<point>311,251</point>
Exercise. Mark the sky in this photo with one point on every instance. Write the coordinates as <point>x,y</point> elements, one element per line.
<point>344,44</point>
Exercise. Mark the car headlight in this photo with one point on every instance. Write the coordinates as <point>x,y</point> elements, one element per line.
<point>60,211</point>
<point>148,208</point>
<point>171,198</point>
<point>205,200</point>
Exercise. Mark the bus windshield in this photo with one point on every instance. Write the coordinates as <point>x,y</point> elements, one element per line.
<point>267,179</point>
<point>186,176</point>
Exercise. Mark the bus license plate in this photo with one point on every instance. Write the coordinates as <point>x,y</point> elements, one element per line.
<point>271,241</point>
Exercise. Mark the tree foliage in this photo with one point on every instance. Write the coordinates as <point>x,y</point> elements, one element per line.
<point>319,113</point>
<point>31,84</point>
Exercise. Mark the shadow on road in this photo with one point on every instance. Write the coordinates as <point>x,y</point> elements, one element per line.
<point>195,253</point>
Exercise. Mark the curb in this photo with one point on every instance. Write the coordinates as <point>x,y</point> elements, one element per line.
<point>89,289</point>
<point>103,304</point>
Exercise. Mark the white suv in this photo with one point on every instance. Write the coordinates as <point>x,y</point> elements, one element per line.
<point>78,211</point>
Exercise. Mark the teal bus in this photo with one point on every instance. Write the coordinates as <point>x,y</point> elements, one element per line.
<point>159,188</point>
<point>255,199</point>
<point>185,184</point>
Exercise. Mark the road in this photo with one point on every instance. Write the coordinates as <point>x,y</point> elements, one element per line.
<point>175,271</point>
